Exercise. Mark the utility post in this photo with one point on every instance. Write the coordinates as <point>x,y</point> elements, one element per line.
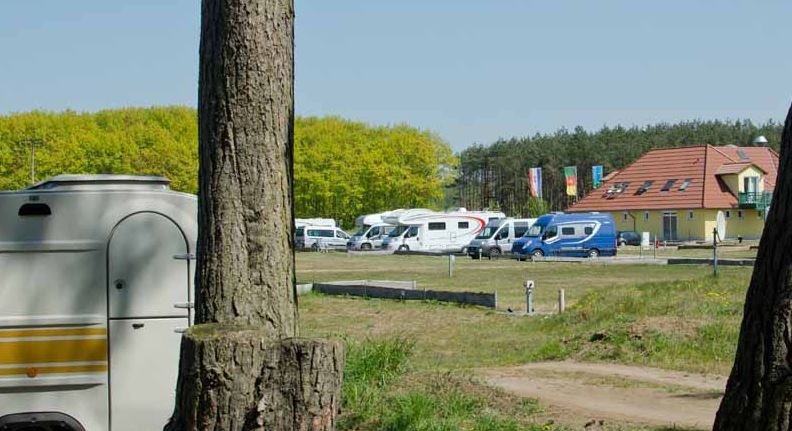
<point>33,143</point>
<point>715,251</point>
<point>529,287</point>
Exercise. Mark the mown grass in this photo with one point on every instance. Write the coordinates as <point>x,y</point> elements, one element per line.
<point>382,392</point>
<point>427,353</point>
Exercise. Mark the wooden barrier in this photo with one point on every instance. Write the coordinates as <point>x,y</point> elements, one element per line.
<point>473,298</point>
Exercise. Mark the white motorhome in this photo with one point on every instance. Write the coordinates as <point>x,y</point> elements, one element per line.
<point>419,230</point>
<point>497,237</point>
<point>96,285</point>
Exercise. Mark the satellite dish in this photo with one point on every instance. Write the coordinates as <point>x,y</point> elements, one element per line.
<point>720,224</point>
<point>760,141</point>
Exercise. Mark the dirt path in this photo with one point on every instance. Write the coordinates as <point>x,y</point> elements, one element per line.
<point>621,393</point>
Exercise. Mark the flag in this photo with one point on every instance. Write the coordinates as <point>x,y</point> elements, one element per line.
<point>596,176</point>
<point>535,181</point>
<point>570,173</point>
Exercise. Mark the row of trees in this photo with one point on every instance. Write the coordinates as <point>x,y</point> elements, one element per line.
<point>341,168</point>
<point>496,176</point>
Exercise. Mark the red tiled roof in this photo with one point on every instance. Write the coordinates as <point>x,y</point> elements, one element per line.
<point>701,165</point>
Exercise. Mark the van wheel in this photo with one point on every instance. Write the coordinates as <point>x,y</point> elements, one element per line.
<point>593,253</point>
<point>315,247</point>
<point>404,248</point>
<point>537,253</point>
<point>494,252</point>
<point>365,246</point>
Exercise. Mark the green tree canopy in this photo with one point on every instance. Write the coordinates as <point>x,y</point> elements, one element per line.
<point>341,168</point>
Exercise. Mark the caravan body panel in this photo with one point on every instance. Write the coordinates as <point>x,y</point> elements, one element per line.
<point>61,347</point>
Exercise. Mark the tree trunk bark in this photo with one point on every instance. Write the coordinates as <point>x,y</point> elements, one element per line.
<point>241,367</point>
<point>243,380</point>
<point>245,274</point>
<point>759,391</point>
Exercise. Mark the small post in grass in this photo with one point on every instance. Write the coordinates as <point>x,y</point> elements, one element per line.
<point>450,265</point>
<point>561,301</point>
<point>715,251</point>
<point>529,287</point>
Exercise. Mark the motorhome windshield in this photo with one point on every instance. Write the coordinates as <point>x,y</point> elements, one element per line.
<point>398,231</point>
<point>536,230</point>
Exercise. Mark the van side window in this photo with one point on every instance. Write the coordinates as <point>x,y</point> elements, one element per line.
<point>520,229</point>
<point>551,232</point>
<point>313,232</point>
<point>341,234</point>
<point>299,231</point>
<point>462,225</point>
<point>437,226</point>
<point>326,233</point>
<point>588,230</point>
<point>568,231</point>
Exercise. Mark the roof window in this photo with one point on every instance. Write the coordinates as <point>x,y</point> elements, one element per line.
<point>669,185</point>
<point>685,184</point>
<point>644,187</point>
<point>741,154</point>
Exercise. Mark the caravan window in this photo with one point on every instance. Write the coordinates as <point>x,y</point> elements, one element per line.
<point>588,230</point>
<point>462,225</point>
<point>551,232</point>
<point>568,231</point>
<point>437,226</point>
<point>373,232</point>
<point>320,233</point>
<point>412,232</point>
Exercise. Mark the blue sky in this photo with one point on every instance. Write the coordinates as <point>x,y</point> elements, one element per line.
<point>470,70</point>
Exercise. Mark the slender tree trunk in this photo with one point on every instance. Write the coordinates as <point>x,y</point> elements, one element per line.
<point>241,368</point>
<point>759,391</point>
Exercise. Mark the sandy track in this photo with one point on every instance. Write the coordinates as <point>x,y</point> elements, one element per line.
<point>613,392</point>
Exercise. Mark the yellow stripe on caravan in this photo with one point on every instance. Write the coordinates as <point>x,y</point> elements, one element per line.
<point>36,352</point>
<point>36,371</point>
<point>49,332</point>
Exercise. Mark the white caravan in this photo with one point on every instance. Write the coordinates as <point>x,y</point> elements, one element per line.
<point>96,287</point>
<point>498,236</point>
<point>419,230</point>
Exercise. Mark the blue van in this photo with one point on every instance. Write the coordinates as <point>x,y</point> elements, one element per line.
<point>573,234</point>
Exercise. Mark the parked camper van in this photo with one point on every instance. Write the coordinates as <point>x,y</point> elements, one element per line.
<point>369,237</point>
<point>497,237</point>
<point>319,237</point>
<point>574,234</point>
<point>96,286</point>
<point>436,231</point>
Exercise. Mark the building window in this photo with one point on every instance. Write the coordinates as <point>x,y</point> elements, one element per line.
<point>690,215</point>
<point>646,215</point>
<point>728,214</point>
<point>739,214</point>
<point>624,216</point>
<point>668,185</point>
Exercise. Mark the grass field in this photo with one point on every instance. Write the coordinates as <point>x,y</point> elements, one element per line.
<point>677,317</point>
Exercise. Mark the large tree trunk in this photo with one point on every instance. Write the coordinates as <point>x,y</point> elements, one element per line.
<point>241,368</point>
<point>759,391</point>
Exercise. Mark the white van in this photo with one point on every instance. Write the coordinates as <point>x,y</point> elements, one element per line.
<point>498,236</point>
<point>369,237</point>
<point>319,237</point>
<point>436,231</point>
<point>96,285</point>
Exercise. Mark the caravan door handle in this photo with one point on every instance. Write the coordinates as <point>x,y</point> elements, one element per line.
<point>187,305</point>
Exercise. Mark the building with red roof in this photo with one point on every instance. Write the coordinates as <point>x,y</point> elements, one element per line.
<point>680,194</point>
